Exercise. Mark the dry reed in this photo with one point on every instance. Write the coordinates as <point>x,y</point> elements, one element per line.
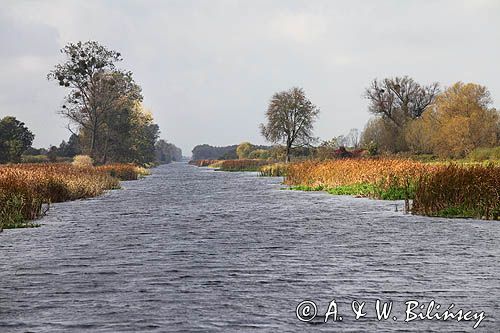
<point>26,188</point>
<point>444,189</point>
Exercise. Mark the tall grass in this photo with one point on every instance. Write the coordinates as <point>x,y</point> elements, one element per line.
<point>466,190</point>
<point>123,171</point>
<point>386,174</point>
<point>203,163</point>
<point>240,165</point>
<point>26,189</point>
<point>459,191</point>
<point>233,165</point>
<point>274,170</point>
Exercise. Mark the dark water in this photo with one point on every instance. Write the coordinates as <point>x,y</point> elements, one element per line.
<point>190,249</point>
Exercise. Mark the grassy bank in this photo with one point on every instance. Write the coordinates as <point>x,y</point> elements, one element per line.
<point>377,178</point>
<point>26,190</point>
<point>203,163</point>
<point>266,168</point>
<point>233,165</point>
<point>444,189</point>
<point>240,165</point>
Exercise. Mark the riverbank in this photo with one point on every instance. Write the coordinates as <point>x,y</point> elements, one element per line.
<point>27,190</point>
<point>252,165</point>
<point>432,189</point>
<point>439,188</point>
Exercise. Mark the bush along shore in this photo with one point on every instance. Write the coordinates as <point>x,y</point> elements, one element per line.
<point>27,190</point>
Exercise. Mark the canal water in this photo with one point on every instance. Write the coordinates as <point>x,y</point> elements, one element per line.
<point>195,250</point>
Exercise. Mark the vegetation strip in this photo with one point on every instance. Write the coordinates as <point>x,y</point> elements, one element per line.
<point>446,190</point>
<point>27,190</point>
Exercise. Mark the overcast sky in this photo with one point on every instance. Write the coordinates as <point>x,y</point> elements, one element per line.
<point>208,68</point>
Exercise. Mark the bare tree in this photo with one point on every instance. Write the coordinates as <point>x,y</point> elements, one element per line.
<point>400,99</point>
<point>353,138</point>
<point>290,118</point>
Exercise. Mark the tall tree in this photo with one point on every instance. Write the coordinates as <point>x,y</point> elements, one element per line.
<point>121,97</point>
<point>15,138</point>
<point>290,119</point>
<point>96,87</point>
<point>400,99</point>
<point>461,120</point>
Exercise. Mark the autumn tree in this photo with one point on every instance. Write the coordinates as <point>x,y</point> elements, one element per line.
<point>85,72</point>
<point>461,120</point>
<point>290,119</point>
<point>262,154</point>
<point>129,135</point>
<point>244,149</point>
<point>398,101</point>
<point>383,134</point>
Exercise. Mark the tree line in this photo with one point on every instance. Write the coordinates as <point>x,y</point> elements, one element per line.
<point>408,118</point>
<point>244,150</point>
<point>107,119</point>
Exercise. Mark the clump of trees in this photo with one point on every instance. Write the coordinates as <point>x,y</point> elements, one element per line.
<point>244,149</point>
<point>208,152</point>
<point>395,102</point>
<point>290,119</point>
<point>420,119</point>
<point>167,152</point>
<point>460,121</point>
<point>104,103</point>
<point>248,150</point>
<point>241,151</point>
<point>15,139</point>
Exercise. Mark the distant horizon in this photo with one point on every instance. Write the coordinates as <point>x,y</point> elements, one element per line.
<point>209,69</point>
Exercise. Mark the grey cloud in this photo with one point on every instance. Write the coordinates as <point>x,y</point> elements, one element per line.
<point>208,68</point>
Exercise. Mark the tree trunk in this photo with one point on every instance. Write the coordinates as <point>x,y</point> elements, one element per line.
<point>288,147</point>
<point>92,143</point>
<point>93,137</point>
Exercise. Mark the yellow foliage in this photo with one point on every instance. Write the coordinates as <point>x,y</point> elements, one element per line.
<point>83,161</point>
<point>457,123</point>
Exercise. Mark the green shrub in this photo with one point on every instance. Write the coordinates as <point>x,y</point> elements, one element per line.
<point>259,154</point>
<point>484,154</point>
<point>34,159</point>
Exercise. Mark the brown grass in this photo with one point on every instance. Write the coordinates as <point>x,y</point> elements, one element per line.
<point>26,188</point>
<point>459,191</point>
<point>240,165</point>
<point>439,189</point>
<point>123,171</point>
<point>203,163</point>
<point>333,173</point>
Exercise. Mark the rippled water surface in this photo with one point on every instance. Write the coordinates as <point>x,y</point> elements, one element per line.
<point>191,249</point>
